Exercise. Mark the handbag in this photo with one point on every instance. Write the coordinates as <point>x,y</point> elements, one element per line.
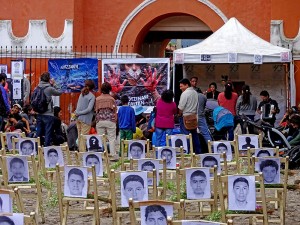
<point>190,122</point>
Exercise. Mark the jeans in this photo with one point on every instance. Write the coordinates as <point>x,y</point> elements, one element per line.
<point>203,128</point>
<point>195,137</point>
<point>159,134</point>
<point>44,127</point>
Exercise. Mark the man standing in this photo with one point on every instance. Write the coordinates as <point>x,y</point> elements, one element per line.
<point>45,120</point>
<point>202,125</point>
<point>268,107</point>
<point>194,81</point>
<point>188,105</point>
<point>4,104</point>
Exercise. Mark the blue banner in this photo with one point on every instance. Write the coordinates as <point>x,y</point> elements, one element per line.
<point>70,74</point>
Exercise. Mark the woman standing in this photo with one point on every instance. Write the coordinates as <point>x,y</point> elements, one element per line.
<point>212,93</point>
<point>228,99</point>
<point>246,105</point>
<point>106,117</point>
<point>164,119</point>
<point>85,111</point>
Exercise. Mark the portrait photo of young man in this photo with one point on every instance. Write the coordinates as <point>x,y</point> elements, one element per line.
<point>270,168</point>
<point>178,141</point>
<point>156,214</point>
<point>9,138</point>
<point>90,159</point>
<point>17,169</point>
<point>133,185</point>
<point>241,193</point>
<point>198,183</point>
<point>149,165</point>
<point>76,182</point>
<point>223,147</point>
<point>27,147</point>
<point>5,203</point>
<point>52,156</point>
<point>169,154</point>
<point>211,160</point>
<point>260,153</point>
<point>136,149</point>
<point>94,143</point>
<point>14,219</point>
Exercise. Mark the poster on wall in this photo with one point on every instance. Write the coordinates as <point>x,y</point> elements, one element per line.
<point>70,74</point>
<point>143,80</point>
<point>17,69</point>
<point>3,68</point>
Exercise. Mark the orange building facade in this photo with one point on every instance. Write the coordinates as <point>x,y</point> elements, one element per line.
<point>123,26</point>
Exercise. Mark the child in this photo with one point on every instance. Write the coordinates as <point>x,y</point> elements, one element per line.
<point>126,119</point>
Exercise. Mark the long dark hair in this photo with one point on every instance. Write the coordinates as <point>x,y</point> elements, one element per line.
<point>246,94</point>
<point>228,90</point>
<point>89,86</point>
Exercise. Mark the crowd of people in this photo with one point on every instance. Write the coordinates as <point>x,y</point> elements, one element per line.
<point>101,115</point>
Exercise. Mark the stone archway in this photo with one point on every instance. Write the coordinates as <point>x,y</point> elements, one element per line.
<point>140,20</point>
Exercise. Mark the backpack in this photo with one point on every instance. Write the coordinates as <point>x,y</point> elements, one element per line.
<point>39,100</point>
<point>222,118</point>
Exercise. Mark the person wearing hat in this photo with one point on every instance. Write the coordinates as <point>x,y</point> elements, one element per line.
<point>15,117</point>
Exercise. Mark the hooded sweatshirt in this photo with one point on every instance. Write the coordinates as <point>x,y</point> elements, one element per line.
<point>49,92</point>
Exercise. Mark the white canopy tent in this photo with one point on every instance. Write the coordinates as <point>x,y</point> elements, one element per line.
<point>233,43</point>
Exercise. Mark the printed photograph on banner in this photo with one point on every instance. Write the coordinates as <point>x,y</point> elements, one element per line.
<point>70,74</point>
<point>17,91</point>
<point>142,80</point>
<point>3,68</point>
<point>179,58</point>
<point>17,67</point>
<point>285,56</point>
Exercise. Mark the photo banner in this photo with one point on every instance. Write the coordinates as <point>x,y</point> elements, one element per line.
<point>142,79</point>
<point>70,74</point>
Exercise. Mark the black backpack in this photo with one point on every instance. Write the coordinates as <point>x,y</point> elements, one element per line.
<point>39,100</point>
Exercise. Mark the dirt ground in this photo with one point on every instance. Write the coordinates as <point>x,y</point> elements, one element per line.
<point>52,214</point>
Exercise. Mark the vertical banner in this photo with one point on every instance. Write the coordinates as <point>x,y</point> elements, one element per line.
<point>143,80</point>
<point>17,69</point>
<point>3,68</point>
<point>70,74</point>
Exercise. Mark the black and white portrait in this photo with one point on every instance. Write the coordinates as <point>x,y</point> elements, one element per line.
<point>178,141</point>
<point>76,181</point>
<point>270,168</point>
<point>14,219</point>
<point>27,146</point>
<point>149,165</point>
<point>198,183</point>
<point>93,158</point>
<point>94,143</point>
<point>133,185</point>
<point>169,154</point>
<point>136,149</point>
<point>3,68</point>
<point>9,138</point>
<point>264,152</point>
<point>211,160</point>
<point>155,214</point>
<point>223,147</point>
<point>241,193</point>
<point>5,203</point>
<point>52,156</point>
<point>248,141</point>
<point>17,168</point>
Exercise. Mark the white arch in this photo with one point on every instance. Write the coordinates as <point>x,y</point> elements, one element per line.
<point>144,4</point>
